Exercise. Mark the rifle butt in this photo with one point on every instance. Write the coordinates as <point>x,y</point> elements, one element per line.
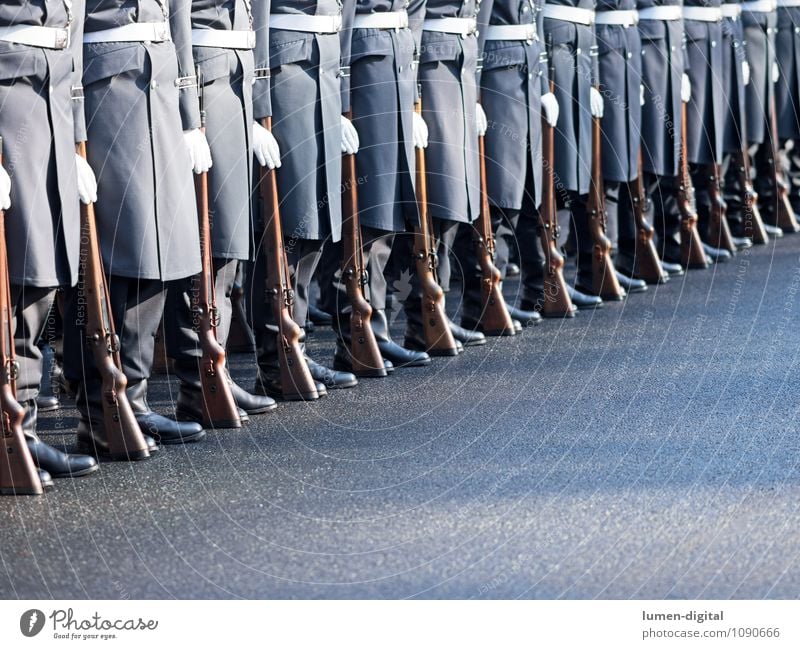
<point>18,473</point>
<point>297,383</point>
<point>219,406</point>
<point>122,432</point>
<point>785,217</point>
<point>439,340</point>
<point>604,278</point>
<point>366,358</point>
<point>719,232</point>
<point>692,253</point>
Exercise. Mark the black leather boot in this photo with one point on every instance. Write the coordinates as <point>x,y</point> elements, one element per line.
<point>672,269</point>
<point>47,399</point>
<point>331,379</point>
<point>582,300</point>
<point>54,462</point>
<point>465,336</point>
<point>525,317</point>
<point>399,356</point>
<point>343,362</point>
<point>164,430</point>
<point>189,406</point>
<point>717,255</point>
<point>631,284</point>
<point>319,317</point>
<point>773,231</point>
<point>415,332</point>
<point>251,404</point>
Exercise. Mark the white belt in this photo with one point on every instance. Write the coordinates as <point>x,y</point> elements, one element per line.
<point>228,39</point>
<point>463,26</point>
<point>569,14</point>
<point>512,33</point>
<point>666,12</point>
<point>703,14</point>
<point>731,11</point>
<point>760,6</point>
<point>132,33</point>
<point>306,23</point>
<point>381,20</point>
<point>52,38</point>
<point>624,17</point>
<point>789,3</point>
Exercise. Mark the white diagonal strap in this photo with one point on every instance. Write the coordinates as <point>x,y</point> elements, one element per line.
<point>760,6</point>
<point>381,20</point>
<point>703,14</point>
<point>667,12</point>
<point>51,38</point>
<point>624,17</point>
<point>228,39</point>
<point>132,33</point>
<point>569,14</point>
<point>306,23</point>
<point>512,33</point>
<point>731,11</point>
<point>788,3</point>
<point>462,26</point>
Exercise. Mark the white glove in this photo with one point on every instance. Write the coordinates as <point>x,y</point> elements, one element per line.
<point>745,72</point>
<point>776,72</point>
<point>480,120</point>
<point>419,131</point>
<point>686,88</point>
<point>550,108</point>
<point>350,141</point>
<point>87,183</point>
<point>641,94</point>
<point>199,151</point>
<point>265,147</point>
<point>596,102</point>
<point>5,190</point>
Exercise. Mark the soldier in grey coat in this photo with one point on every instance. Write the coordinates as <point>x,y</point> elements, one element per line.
<point>378,50</point>
<point>223,38</point>
<point>666,86</point>
<point>143,141</point>
<point>787,91</point>
<point>302,92</point>
<point>515,94</point>
<point>619,49</point>
<point>706,109</point>
<point>41,119</point>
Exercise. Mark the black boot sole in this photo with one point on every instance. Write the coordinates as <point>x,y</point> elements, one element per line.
<point>84,448</point>
<point>418,346</point>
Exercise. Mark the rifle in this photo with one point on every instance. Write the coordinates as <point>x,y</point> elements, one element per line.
<point>556,302</point>
<point>753,223</point>
<point>124,437</point>
<point>495,319</point>
<point>18,473</point>
<point>604,277</point>
<point>784,213</point>
<point>719,233</point>
<point>438,337</point>
<point>366,358</point>
<point>219,407</point>
<point>646,263</point>
<point>296,381</point>
<point>692,253</point>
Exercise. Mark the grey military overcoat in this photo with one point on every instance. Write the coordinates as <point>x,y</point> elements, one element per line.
<point>135,115</point>
<point>447,74</point>
<point>575,70</point>
<point>227,78</point>
<point>787,89</point>
<point>759,36</point>
<point>305,104</point>
<point>619,51</point>
<point>733,81</point>
<point>382,93</point>
<point>662,68</point>
<point>40,124</point>
<point>706,110</point>
<point>513,80</point>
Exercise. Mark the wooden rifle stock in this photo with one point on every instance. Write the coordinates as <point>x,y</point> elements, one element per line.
<point>123,435</point>
<point>604,277</point>
<point>18,473</point>
<point>366,359</point>
<point>719,233</point>
<point>646,263</point>
<point>439,339</point>
<point>784,213</point>
<point>753,225</point>
<point>296,380</point>
<point>495,319</point>
<point>219,407</point>
<point>692,253</point>
<point>556,302</point>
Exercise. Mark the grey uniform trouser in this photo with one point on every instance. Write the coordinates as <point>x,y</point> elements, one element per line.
<point>136,307</point>
<point>29,309</point>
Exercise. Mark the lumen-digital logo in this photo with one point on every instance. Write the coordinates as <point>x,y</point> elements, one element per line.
<point>31,622</point>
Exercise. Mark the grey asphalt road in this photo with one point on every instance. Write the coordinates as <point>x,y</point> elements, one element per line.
<point>647,450</point>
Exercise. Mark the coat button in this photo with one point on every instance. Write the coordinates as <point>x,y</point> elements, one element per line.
<point>154,85</point>
<point>713,43</point>
<point>578,51</point>
<point>401,68</point>
<point>630,55</point>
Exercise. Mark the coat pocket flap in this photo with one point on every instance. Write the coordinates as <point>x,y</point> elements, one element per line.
<point>283,50</point>
<point>104,60</point>
<point>503,57</point>
<point>438,46</point>
<point>20,61</point>
<point>214,67</point>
